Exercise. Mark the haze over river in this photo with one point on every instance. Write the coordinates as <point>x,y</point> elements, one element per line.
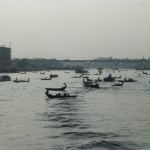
<point>108,118</point>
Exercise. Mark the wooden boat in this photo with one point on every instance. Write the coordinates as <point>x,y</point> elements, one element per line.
<point>100,71</point>
<point>99,80</point>
<point>5,78</point>
<point>127,80</point>
<point>22,72</point>
<point>90,84</point>
<point>109,78</point>
<point>97,74</point>
<point>76,76</point>
<point>81,71</point>
<point>34,71</point>
<point>59,95</point>
<point>58,89</point>
<point>118,84</point>
<point>46,78</point>
<point>84,76</point>
<point>53,75</point>
<point>42,72</point>
<point>17,81</point>
<point>145,73</point>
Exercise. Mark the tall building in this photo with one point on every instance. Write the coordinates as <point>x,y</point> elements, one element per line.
<point>5,58</point>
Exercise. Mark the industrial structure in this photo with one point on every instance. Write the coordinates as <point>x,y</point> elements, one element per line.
<point>5,58</point>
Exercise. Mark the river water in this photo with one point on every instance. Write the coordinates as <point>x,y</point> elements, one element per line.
<point>108,118</point>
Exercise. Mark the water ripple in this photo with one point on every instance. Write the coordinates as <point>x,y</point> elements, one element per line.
<point>106,145</point>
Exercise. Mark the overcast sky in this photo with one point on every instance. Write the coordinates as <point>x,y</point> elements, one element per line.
<point>76,29</point>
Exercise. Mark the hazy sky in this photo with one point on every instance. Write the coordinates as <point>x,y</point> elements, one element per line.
<point>76,29</point>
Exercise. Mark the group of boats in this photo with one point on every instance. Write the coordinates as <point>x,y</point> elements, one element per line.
<point>87,82</point>
<point>94,83</point>
<point>58,95</point>
<point>8,78</point>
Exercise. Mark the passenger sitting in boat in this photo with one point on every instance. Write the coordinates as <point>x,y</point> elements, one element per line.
<point>68,94</point>
<point>65,94</point>
<point>58,94</point>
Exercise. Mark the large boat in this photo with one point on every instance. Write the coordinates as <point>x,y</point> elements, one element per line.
<point>90,83</point>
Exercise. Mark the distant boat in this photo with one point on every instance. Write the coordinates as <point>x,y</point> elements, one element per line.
<point>18,81</point>
<point>22,72</point>
<point>118,77</point>
<point>53,75</point>
<point>85,76</point>
<point>97,74</point>
<point>34,71</point>
<point>76,76</point>
<point>5,78</point>
<point>145,73</point>
<point>99,80</point>
<point>127,80</point>
<point>81,71</point>
<point>118,84</point>
<point>46,78</point>
<point>109,78</point>
<point>42,72</point>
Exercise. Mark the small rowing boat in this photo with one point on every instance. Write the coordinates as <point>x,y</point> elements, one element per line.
<point>58,89</point>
